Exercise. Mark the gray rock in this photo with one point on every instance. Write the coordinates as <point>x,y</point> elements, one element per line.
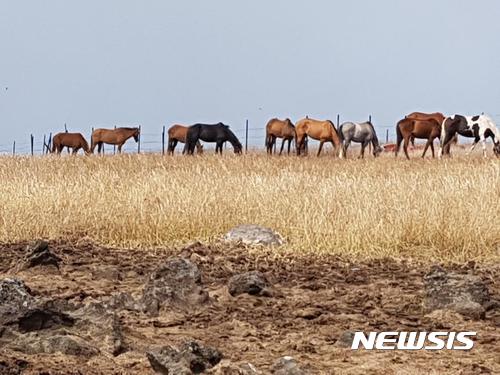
<point>38,254</point>
<point>253,283</point>
<point>190,358</point>
<point>345,340</point>
<point>287,366</point>
<point>65,344</point>
<point>465,294</point>
<point>176,283</point>
<point>14,296</point>
<point>250,234</point>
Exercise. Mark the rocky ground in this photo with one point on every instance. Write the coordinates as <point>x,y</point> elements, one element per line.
<point>77,308</point>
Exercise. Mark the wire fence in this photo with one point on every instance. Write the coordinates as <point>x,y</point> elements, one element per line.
<point>155,140</point>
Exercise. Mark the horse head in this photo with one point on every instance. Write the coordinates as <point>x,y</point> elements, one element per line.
<point>238,148</point>
<point>377,151</point>
<point>496,148</point>
<point>136,134</point>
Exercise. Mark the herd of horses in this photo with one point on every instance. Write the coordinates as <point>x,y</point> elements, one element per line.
<point>416,125</point>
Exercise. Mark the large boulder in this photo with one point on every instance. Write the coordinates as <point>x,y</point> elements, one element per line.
<point>253,283</point>
<point>250,234</point>
<point>466,294</point>
<point>176,283</point>
<point>191,358</point>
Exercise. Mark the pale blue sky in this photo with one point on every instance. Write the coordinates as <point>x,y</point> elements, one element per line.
<point>122,62</point>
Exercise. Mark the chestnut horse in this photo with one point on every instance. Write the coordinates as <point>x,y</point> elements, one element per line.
<point>76,141</point>
<point>178,133</point>
<point>408,127</point>
<point>116,137</point>
<point>323,131</point>
<point>277,128</point>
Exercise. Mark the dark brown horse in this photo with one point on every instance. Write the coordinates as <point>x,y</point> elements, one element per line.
<point>406,128</point>
<point>323,131</point>
<point>277,128</point>
<point>75,141</point>
<point>178,133</point>
<point>116,137</point>
<point>438,116</point>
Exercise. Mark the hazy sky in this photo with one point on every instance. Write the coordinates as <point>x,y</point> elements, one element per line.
<point>154,63</point>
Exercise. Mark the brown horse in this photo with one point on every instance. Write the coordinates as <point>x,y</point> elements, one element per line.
<point>116,137</point>
<point>277,128</point>
<point>76,141</point>
<point>178,133</point>
<point>438,116</point>
<point>406,128</point>
<point>323,131</point>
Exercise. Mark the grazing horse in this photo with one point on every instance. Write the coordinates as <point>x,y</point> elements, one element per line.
<point>276,128</point>
<point>218,133</point>
<point>178,133</point>
<point>76,141</point>
<point>363,133</point>
<point>406,128</point>
<point>477,127</point>
<point>323,131</point>
<point>116,137</point>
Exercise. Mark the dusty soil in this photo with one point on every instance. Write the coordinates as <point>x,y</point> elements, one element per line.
<point>316,300</point>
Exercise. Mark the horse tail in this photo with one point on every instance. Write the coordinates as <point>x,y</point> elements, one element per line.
<point>399,136</point>
<point>192,136</point>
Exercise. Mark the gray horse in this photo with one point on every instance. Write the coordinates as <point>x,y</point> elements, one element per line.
<point>363,133</point>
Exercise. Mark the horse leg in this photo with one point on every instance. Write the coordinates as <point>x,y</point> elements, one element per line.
<point>120,148</point>
<point>476,141</point>
<point>405,146</point>
<point>219,146</point>
<point>363,146</point>
<point>427,144</point>
<point>75,150</point>
<point>320,147</point>
<point>432,148</point>
<point>100,147</point>
<point>345,146</point>
<point>289,145</point>
<point>282,145</point>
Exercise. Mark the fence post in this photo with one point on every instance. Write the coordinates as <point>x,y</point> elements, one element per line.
<point>338,120</point>
<point>163,141</point>
<point>114,146</point>
<point>65,128</point>
<point>44,148</point>
<point>370,118</point>
<point>32,144</point>
<point>50,143</point>
<point>246,136</point>
<point>14,148</point>
<point>139,141</point>
<point>386,135</point>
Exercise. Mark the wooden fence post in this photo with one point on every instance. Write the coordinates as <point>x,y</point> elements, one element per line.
<point>338,120</point>
<point>114,146</point>
<point>139,141</point>
<point>14,148</point>
<point>50,143</point>
<point>386,135</point>
<point>163,141</point>
<point>65,128</point>
<point>44,147</point>
<point>32,144</point>
<point>246,136</point>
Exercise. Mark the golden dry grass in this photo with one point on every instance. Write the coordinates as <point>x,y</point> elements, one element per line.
<point>444,210</point>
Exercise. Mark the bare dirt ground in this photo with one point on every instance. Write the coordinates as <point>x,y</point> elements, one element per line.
<point>316,300</point>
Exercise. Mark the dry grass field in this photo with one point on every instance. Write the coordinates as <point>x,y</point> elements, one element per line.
<point>446,210</point>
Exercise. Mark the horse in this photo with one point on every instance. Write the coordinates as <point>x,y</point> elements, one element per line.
<point>178,133</point>
<point>323,131</point>
<point>116,136</point>
<point>218,133</point>
<point>478,127</point>
<point>76,141</point>
<point>277,128</point>
<point>363,133</point>
<point>406,128</point>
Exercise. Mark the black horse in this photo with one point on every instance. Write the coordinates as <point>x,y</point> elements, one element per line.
<point>218,133</point>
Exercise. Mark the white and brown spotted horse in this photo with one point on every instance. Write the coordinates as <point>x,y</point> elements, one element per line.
<point>478,127</point>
